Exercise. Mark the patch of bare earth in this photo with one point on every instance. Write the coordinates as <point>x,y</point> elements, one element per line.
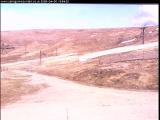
<point>14,86</point>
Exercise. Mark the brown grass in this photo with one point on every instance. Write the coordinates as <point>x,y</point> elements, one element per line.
<point>140,74</point>
<point>10,58</point>
<point>12,88</point>
<point>69,41</point>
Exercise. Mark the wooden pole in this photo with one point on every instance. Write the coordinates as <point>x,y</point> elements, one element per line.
<point>120,57</point>
<point>143,34</point>
<point>67,114</point>
<point>99,60</point>
<point>143,30</point>
<point>25,50</point>
<point>40,57</point>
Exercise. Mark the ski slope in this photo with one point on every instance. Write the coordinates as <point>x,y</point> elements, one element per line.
<point>117,50</point>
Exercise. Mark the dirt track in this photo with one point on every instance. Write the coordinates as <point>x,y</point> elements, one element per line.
<point>81,102</point>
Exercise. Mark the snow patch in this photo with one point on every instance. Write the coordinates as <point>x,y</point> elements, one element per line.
<point>67,39</point>
<point>117,50</point>
<point>92,35</point>
<point>128,40</point>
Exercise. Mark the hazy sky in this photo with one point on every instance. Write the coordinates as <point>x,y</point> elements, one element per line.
<point>63,16</point>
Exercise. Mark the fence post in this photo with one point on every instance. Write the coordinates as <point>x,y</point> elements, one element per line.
<point>120,57</point>
<point>25,50</point>
<point>99,61</point>
<point>67,114</point>
<point>40,57</point>
<point>109,59</point>
<point>143,54</point>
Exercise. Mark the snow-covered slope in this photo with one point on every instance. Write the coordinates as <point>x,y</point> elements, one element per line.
<point>118,50</point>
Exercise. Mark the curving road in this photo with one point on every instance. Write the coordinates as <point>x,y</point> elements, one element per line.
<point>66,100</point>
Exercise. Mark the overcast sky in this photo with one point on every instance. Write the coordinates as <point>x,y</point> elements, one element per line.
<point>65,16</point>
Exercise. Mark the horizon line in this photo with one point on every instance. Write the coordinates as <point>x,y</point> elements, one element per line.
<point>75,28</point>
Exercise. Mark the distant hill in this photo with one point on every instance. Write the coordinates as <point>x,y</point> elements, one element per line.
<point>75,40</point>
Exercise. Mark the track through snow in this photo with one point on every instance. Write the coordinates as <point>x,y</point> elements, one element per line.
<point>66,100</point>
<point>118,50</point>
<point>85,57</point>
